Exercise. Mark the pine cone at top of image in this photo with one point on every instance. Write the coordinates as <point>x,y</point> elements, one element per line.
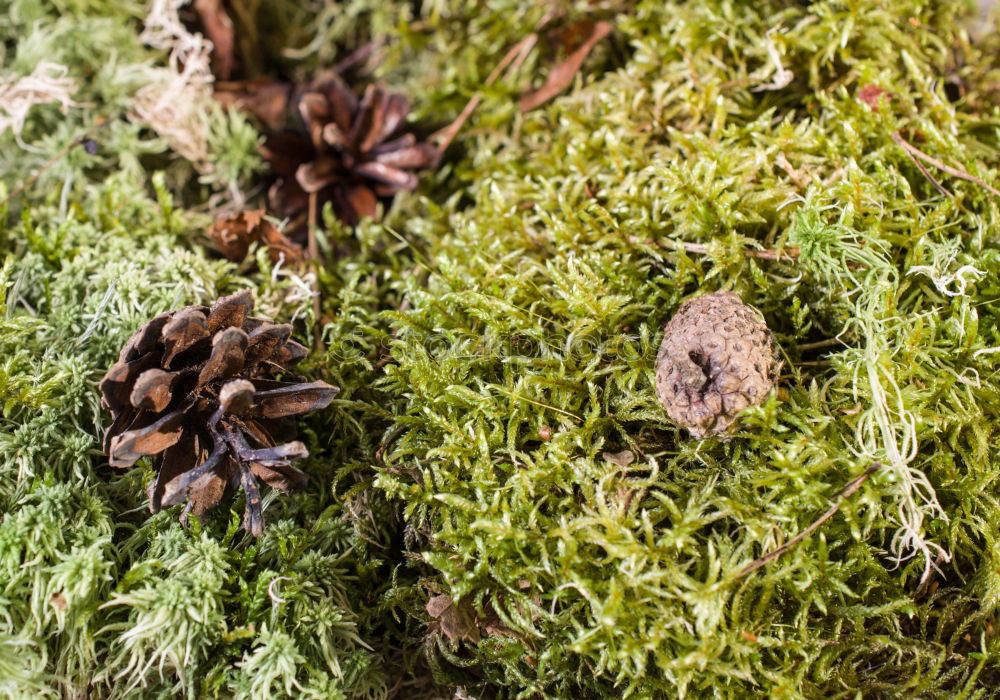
<point>197,390</point>
<point>717,358</point>
<point>352,153</point>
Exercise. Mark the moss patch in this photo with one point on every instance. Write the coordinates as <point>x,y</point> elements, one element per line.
<point>494,339</point>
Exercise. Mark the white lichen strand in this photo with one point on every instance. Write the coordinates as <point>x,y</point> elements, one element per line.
<point>717,357</point>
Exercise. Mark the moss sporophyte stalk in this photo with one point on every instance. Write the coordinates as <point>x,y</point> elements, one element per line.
<point>496,504</point>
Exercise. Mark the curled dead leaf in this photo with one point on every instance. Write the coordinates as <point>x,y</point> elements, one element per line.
<point>456,621</point>
<point>622,459</point>
<point>233,236</point>
<point>219,29</point>
<point>561,76</point>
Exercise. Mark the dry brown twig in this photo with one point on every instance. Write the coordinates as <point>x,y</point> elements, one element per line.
<point>561,76</point>
<point>81,140</point>
<point>915,152</point>
<point>518,52</point>
<point>702,249</point>
<point>844,494</point>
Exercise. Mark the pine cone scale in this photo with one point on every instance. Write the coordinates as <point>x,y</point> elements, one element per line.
<point>386,174</point>
<point>153,390</point>
<point>130,446</point>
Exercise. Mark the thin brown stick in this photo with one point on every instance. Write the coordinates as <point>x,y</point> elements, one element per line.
<point>844,494</point>
<point>927,173</point>
<point>312,250</point>
<point>914,151</point>
<point>366,50</point>
<point>78,141</point>
<point>311,247</point>
<point>829,342</point>
<point>702,249</point>
<point>445,136</point>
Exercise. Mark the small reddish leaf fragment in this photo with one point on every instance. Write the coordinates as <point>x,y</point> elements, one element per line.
<point>870,95</point>
<point>233,236</point>
<point>561,76</point>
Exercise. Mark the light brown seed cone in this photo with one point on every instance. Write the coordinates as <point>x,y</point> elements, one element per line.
<point>717,357</point>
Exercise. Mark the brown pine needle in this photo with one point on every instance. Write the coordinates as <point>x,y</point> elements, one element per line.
<point>829,342</point>
<point>518,51</point>
<point>915,152</point>
<point>702,249</point>
<point>313,254</point>
<point>844,494</point>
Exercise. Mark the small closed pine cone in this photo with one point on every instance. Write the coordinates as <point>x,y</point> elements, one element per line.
<point>352,154</point>
<point>195,389</point>
<point>717,357</point>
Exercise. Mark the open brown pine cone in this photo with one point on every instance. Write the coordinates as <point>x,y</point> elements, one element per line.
<point>196,390</point>
<point>352,153</point>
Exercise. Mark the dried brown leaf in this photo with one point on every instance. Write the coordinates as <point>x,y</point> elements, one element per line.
<point>622,459</point>
<point>456,621</point>
<point>561,76</point>
<point>219,29</point>
<point>233,236</point>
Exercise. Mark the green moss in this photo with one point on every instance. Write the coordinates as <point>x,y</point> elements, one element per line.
<point>494,338</point>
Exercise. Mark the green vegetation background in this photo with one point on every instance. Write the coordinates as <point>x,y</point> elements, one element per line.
<point>522,288</point>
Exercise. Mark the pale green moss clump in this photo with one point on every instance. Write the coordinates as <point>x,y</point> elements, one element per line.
<point>494,340</point>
